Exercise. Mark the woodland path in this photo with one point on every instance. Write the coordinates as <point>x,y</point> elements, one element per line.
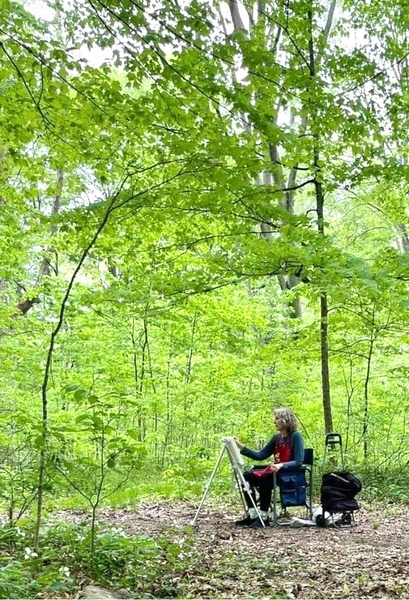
<point>370,560</point>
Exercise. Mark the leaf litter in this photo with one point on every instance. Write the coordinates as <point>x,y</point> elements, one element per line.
<point>370,560</point>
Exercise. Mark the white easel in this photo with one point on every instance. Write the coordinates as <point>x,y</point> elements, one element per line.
<point>236,461</point>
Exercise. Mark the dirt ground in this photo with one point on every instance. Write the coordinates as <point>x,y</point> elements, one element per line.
<point>370,560</point>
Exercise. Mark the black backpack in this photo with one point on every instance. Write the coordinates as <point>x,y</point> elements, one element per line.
<point>338,491</point>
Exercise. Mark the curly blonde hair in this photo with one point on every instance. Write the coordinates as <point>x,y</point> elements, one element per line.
<point>288,419</point>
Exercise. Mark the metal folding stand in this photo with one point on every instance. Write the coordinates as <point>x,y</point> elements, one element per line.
<point>236,462</point>
<point>332,441</point>
<point>275,522</point>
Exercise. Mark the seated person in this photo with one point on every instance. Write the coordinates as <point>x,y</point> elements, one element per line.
<point>287,448</point>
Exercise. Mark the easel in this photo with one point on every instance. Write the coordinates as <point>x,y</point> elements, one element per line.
<point>236,461</point>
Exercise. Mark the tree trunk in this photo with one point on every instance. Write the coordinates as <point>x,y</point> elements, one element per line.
<point>319,198</point>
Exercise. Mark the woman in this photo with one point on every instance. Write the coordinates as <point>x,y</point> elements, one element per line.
<point>287,448</point>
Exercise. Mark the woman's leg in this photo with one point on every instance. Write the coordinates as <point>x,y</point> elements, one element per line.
<point>265,485</point>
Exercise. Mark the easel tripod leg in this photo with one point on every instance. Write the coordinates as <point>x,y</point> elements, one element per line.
<point>209,483</point>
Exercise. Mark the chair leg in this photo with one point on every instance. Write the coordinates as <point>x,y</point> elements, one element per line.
<point>275,500</point>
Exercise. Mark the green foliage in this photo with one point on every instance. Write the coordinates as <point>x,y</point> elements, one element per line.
<point>138,564</point>
<point>16,582</point>
<point>387,486</point>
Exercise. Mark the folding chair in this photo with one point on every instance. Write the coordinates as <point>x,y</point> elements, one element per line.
<point>295,486</point>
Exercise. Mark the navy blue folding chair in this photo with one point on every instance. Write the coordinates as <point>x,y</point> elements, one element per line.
<point>295,486</point>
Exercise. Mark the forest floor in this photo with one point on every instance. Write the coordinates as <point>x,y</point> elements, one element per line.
<point>370,560</point>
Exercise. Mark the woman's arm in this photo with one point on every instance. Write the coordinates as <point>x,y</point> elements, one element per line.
<point>259,454</point>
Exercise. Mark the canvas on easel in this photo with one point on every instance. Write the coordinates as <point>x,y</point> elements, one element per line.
<point>236,461</point>
<point>233,451</point>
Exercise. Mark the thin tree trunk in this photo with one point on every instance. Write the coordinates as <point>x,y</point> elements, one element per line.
<point>46,266</point>
<point>185,439</point>
<point>319,198</point>
<point>168,433</point>
<point>47,370</point>
<point>326,389</point>
<point>365,424</point>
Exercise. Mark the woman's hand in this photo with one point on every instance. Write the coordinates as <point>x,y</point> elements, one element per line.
<point>276,467</point>
<point>238,443</point>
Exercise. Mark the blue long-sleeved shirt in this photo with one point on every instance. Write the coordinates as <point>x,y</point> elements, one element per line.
<point>296,445</point>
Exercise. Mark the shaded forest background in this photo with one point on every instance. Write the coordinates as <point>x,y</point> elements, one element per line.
<point>203,217</point>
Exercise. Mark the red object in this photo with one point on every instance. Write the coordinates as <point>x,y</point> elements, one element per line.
<point>261,472</point>
<point>282,450</point>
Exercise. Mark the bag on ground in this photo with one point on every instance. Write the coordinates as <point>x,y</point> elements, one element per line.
<point>338,491</point>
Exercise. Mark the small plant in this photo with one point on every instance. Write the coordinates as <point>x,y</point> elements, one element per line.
<point>106,453</point>
<point>16,581</point>
<point>18,465</point>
